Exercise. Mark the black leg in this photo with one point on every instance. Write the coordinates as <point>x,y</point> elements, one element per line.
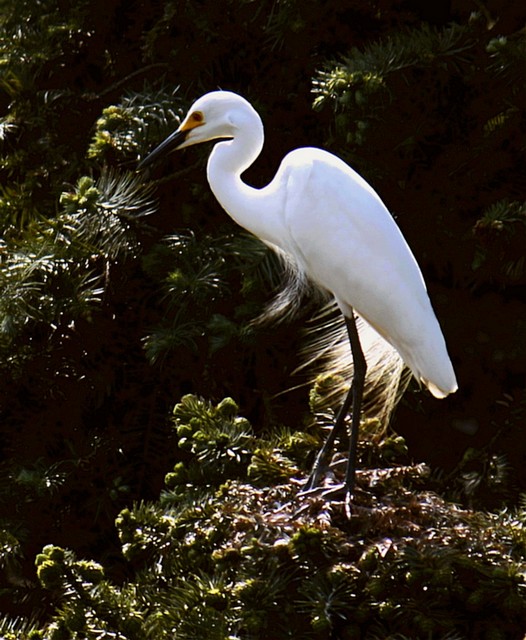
<point>322,459</point>
<point>360,369</point>
<point>354,398</point>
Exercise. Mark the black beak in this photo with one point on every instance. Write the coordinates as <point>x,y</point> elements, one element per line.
<point>170,144</point>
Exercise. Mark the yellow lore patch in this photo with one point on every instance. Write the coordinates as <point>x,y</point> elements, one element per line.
<point>194,119</point>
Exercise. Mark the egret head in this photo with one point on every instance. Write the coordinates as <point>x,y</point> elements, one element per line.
<point>218,114</point>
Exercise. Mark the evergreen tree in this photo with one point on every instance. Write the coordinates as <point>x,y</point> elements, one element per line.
<point>118,296</point>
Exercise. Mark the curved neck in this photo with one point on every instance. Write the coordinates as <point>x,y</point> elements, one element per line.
<point>253,209</point>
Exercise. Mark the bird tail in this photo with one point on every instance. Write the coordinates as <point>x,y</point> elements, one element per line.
<point>328,354</point>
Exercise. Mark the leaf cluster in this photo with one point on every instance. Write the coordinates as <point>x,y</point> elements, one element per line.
<point>228,558</point>
<point>365,84</point>
<point>55,276</point>
<point>38,110</point>
<point>500,233</point>
<point>134,124</point>
<point>222,446</point>
<point>198,277</point>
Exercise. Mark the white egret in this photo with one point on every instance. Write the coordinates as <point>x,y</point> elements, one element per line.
<point>337,232</point>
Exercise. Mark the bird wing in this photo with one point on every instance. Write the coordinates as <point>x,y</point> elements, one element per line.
<point>344,238</point>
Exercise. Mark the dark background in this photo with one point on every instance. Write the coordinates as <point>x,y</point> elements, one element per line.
<point>85,413</point>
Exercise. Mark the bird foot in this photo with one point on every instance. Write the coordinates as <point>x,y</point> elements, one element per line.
<point>337,495</point>
<point>313,481</point>
<point>323,469</point>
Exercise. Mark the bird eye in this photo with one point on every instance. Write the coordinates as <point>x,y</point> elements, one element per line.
<point>197,117</point>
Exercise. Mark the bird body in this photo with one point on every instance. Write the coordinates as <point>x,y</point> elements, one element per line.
<point>331,223</point>
<point>321,212</point>
<point>352,247</point>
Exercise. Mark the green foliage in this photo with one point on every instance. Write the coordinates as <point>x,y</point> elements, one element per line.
<point>363,87</point>
<point>194,274</point>
<point>92,606</point>
<point>220,442</point>
<point>501,232</point>
<point>106,317</point>
<point>134,124</point>
<point>37,152</point>
<point>223,446</point>
<point>19,629</point>
<point>87,287</point>
<point>507,55</point>
<point>103,216</point>
<point>241,560</point>
<point>54,276</point>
